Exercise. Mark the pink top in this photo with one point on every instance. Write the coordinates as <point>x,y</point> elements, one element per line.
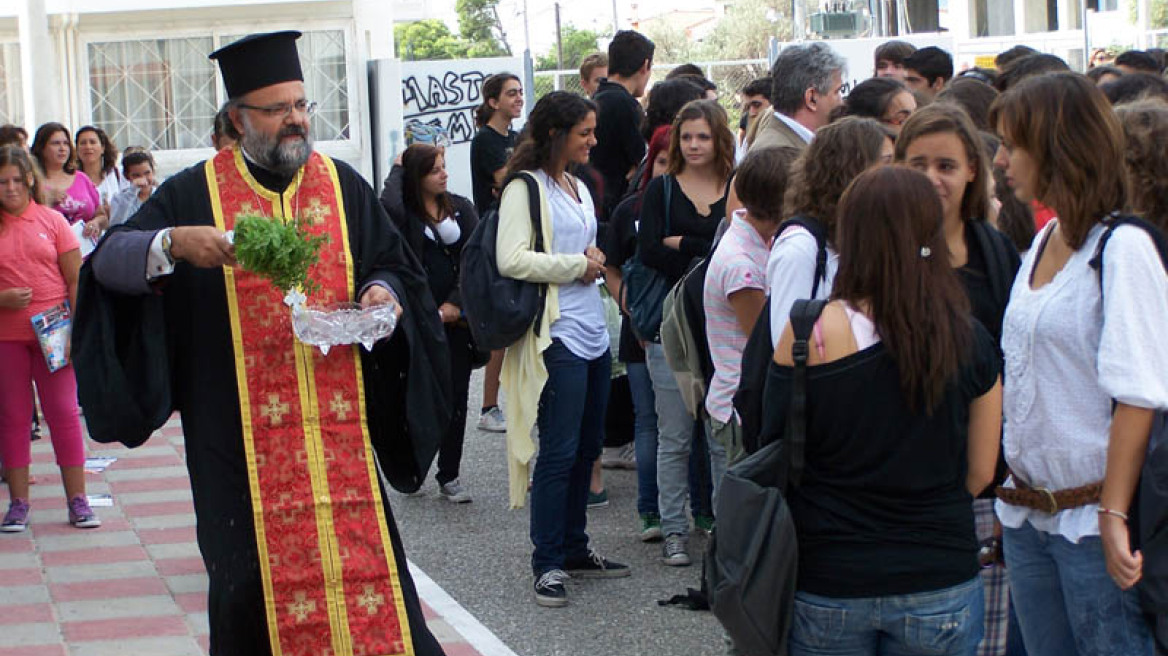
<point>30,246</point>
<point>81,200</point>
<point>739,262</point>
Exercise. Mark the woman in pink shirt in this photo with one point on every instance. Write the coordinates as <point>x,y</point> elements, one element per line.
<point>39,264</point>
<point>67,190</point>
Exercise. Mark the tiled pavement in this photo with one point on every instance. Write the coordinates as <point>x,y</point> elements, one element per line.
<point>137,585</point>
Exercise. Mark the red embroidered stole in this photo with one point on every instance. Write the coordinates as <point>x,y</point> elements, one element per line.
<point>330,579</point>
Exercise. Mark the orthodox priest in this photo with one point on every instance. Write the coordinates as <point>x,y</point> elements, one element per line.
<point>294,526</point>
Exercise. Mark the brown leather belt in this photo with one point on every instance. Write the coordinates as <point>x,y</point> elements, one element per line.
<point>1049,501</point>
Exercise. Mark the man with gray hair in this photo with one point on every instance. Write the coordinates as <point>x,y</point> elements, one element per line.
<point>807,85</point>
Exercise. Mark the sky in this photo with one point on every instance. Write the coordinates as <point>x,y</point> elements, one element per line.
<point>591,14</point>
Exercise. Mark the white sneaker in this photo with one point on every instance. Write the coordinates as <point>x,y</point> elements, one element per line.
<point>619,457</point>
<point>454,492</point>
<point>492,421</point>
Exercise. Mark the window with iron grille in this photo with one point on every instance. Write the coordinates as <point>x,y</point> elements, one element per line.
<point>162,94</point>
<point>11,96</point>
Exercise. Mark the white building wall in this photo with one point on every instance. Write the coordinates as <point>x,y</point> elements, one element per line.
<point>73,26</point>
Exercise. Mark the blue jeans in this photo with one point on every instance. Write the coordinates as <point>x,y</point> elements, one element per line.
<point>571,432</point>
<point>944,622</point>
<point>1066,602</point>
<point>644,436</point>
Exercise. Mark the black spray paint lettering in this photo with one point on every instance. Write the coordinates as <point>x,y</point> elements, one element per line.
<point>458,124</point>
<point>445,91</point>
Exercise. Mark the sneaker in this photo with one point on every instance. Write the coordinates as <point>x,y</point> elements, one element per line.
<point>80,514</point>
<point>16,520</point>
<point>492,421</point>
<point>651,527</point>
<point>454,492</point>
<point>619,457</point>
<point>595,566</point>
<point>704,524</point>
<point>675,553</point>
<point>549,589</point>
<point>597,499</point>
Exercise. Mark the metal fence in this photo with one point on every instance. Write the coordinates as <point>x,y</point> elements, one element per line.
<point>730,76</point>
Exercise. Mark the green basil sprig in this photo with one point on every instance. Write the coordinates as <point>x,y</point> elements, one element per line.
<point>281,252</point>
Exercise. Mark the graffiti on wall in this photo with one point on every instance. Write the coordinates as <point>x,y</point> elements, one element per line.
<point>444,100</point>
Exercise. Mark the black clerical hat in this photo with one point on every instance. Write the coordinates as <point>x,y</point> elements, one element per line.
<point>259,60</point>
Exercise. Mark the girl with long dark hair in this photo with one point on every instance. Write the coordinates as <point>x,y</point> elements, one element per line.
<point>558,373</point>
<point>903,416</point>
<point>97,158</point>
<point>64,189</point>
<point>701,158</point>
<point>1085,362</point>
<point>436,224</point>
<point>490,149</point>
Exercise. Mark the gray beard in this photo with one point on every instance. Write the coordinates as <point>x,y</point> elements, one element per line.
<point>274,154</point>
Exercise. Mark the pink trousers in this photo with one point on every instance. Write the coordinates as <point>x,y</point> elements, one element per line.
<point>21,364</point>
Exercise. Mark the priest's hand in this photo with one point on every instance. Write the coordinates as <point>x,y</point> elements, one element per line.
<point>202,246</point>
<point>378,295</point>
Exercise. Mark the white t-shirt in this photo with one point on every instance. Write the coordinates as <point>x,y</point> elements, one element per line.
<point>1068,353</point>
<point>581,326</point>
<point>791,274</point>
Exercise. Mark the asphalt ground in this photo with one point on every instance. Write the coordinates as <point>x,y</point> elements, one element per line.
<point>480,554</point>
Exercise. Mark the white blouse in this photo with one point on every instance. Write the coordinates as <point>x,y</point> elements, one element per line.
<point>1068,353</point>
<point>581,326</point>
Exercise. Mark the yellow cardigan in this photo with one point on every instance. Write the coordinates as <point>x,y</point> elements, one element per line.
<point>523,375</point>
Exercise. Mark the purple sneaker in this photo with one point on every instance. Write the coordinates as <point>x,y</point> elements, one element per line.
<point>80,514</point>
<point>16,520</point>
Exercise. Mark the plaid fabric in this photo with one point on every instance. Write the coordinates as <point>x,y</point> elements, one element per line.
<point>997,590</point>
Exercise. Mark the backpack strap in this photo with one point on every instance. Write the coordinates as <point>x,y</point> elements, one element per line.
<point>535,211</point>
<point>817,230</point>
<point>1113,221</point>
<point>668,180</point>
<point>804,314</point>
<point>997,261</point>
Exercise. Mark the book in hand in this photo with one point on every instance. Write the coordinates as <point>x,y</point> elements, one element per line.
<point>53,329</point>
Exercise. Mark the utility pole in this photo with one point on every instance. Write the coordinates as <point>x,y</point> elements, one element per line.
<point>615,22</point>
<point>559,41</point>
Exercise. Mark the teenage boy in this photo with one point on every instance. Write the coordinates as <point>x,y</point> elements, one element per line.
<point>890,57</point>
<point>593,69</point>
<point>927,71</point>
<point>138,169</point>
<point>619,146</point>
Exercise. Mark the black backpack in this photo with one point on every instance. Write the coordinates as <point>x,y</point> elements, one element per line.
<point>759,352</point>
<point>752,560</point>
<point>1149,509</point>
<point>499,310</point>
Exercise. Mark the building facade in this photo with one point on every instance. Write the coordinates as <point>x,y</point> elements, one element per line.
<point>139,70</point>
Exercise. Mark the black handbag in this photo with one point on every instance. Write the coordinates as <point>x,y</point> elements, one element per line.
<point>644,288</point>
<point>753,556</point>
<point>500,310</point>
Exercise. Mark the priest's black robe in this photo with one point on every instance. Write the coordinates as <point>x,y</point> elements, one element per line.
<point>143,351</point>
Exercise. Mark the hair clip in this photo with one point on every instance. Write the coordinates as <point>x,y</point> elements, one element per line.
<point>926,251</point>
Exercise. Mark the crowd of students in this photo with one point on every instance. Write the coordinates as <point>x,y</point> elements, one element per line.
<point>980,395</point>
<point>910,206</point>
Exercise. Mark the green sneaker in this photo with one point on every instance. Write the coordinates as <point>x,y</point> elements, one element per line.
<point>597,499</point>
<point>651,527</point>
<point>704,524</point>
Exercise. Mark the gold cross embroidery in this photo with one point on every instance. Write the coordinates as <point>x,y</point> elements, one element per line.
<point>274,411</point>
<point>340,406</point>
<point>315,212</point>
<point>301,607</point>
<point>370,600</point>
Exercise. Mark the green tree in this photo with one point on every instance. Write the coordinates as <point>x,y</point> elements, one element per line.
<point>427,39</point>
<point>578,44</point>
<point>745,31</point>
<point>481,29</point>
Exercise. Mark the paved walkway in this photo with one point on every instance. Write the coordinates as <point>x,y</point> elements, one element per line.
<point>137,585</point>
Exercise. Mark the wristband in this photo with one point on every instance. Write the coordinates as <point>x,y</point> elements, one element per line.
<point>1115,513</point>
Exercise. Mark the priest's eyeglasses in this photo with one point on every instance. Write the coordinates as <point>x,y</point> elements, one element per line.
<point>282,110</point>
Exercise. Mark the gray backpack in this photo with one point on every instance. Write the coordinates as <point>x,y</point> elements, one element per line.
<point>753,556</point>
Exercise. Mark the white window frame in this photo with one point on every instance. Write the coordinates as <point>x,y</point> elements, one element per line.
<point>171,161</point>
